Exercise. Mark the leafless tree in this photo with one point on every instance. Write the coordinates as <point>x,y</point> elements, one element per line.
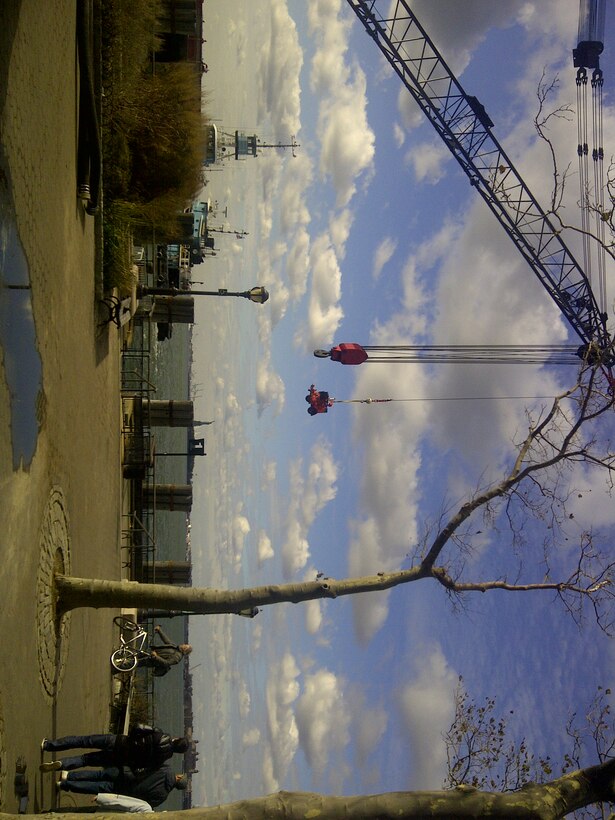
<point>537,483</point>
<point>603,207</point>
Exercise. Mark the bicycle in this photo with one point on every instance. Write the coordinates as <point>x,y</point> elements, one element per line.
<point>130,651</point>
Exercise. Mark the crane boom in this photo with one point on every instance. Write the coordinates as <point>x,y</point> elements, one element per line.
<point>464,126</point>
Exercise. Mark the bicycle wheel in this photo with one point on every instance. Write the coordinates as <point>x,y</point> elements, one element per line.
<point>124,659</point>
<point>125,623</point>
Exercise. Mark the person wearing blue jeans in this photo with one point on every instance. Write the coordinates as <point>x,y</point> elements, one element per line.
<point>153,786</point>
<point>144,747</point>
<point>104,756</point>
<point>106,781</point>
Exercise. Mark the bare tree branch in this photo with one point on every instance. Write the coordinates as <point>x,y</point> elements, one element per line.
<point>483,753</point>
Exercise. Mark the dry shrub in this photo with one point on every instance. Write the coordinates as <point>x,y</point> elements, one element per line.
<point>153,130</point>
<point>167,140</point>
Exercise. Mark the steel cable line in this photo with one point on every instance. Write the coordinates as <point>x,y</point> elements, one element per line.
<point>564,354</point>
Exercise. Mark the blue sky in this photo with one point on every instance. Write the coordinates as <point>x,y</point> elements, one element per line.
<point>370,234</point>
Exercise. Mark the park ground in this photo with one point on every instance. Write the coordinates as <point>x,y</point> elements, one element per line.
<point>60,506</point>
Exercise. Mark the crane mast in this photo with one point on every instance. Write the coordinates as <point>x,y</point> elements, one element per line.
<point>464,126</point>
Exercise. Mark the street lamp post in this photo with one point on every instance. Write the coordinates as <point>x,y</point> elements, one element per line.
<point>256,294</point>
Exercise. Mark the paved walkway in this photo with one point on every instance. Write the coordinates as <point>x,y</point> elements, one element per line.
<point>62,504</point>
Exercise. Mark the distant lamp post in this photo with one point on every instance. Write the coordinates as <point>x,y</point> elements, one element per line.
<point>196,447</point>
<point>257,294</point>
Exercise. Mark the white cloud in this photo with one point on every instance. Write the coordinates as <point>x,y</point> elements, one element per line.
<point>388,438</point>
<point>458,28</point>
<point>428,161</point>
<point>251,738</point>
<point>281,58</point>
<point>297,263</point>
<point>282,690</point>
<point>372,724</point>
<point>331,29</point>
<point>272,276</point>
<point>591,503</point>
<point>264,548</point>
<point>309,495</point>
<point>313,617</point>
<point>320,488</point>
<point>271,783</point>
<point>347,141</point>
<point>293,205</point>
<point>269,472</point>
<point>231,406</point>
<point>390,492</point>
<point>323,718</point>
<point>324,308</point>
<point>427,709</point>
<point>240,529</point>
<point>296,548</point>
<point>383,254</point>
<point>410,114</point>
<point>257,636</point>
<point>270,388</point>
<point>340,224</point>
<point>244,699</point>
<point>399,135</point>
<point>295,218</point>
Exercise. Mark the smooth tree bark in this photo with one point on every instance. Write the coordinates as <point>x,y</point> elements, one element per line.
<point>547,801</point>
<point>74,593</point>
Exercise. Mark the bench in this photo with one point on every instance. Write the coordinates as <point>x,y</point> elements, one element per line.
<point>120,310</point>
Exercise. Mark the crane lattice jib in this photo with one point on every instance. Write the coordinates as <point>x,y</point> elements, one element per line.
<point>465,127</point>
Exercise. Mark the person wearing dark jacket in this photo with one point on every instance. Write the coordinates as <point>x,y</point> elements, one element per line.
<point>144,747</point>
<point>165,655</point>
<point>152,786</point>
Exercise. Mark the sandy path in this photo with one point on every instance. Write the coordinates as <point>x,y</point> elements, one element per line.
<point>68,497</point>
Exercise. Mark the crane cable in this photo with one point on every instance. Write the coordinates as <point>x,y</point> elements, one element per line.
<point>582,153</point>
<point>597,186</point>
<point>444,398</point>
<point>475,354</point>
<point>597,83</point>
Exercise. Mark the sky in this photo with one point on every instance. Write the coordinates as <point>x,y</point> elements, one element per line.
<point>372,234</point>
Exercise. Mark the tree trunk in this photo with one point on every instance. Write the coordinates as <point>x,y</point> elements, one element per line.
<point>85,592</point>
<point>548,801</point>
